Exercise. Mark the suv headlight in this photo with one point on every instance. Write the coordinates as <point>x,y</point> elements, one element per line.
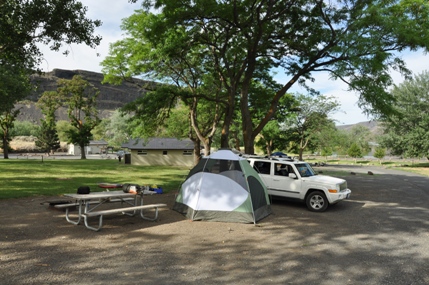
<point>342,186</point>
<point>338,187</point>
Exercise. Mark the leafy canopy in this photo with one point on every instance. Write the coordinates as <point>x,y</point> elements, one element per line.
<point>407,132</point>
<point>80,97</point>
<point>354,41</point>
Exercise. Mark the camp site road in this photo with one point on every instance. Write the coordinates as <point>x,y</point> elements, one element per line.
<point>379,236</point>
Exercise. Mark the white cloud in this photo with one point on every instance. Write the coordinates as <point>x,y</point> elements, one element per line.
<point>111,13</point>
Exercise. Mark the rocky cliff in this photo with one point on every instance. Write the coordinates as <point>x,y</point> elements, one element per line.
<point>111,97</point>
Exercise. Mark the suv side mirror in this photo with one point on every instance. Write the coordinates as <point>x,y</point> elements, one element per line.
<point>292,175</point>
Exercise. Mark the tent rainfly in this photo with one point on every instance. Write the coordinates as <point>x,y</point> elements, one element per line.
<point>225,188</point>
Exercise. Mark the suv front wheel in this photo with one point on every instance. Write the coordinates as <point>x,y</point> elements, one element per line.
<point>316,201</point>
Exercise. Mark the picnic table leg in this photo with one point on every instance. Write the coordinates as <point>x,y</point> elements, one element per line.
<point>147,218</point>
<point>135,204</point>
<point>100,223</point>
<point>79,214</point>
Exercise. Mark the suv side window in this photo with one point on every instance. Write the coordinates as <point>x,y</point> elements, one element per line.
<point>262,167</point>
<point>281,169</point>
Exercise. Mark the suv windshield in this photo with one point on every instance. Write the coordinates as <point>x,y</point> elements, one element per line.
<point>305,170</point>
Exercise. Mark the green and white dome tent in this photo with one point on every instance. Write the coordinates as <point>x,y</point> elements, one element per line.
<point>225,188</point>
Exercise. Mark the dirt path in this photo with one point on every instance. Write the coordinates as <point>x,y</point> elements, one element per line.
<point>379,236</point>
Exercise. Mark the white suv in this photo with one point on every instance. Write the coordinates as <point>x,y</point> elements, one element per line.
<point>298,180</point>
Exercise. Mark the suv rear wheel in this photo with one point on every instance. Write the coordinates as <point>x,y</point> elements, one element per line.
<point>316,201</point>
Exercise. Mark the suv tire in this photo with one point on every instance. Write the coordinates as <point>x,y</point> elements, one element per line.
<point>316,201</point>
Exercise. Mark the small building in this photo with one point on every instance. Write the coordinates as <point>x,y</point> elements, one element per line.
<point>161,151</point>
<point>94,147</point>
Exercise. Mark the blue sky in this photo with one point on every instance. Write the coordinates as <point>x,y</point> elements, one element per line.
<point>111,12</point>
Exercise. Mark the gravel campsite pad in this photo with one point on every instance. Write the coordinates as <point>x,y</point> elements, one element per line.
<point>379,236</point>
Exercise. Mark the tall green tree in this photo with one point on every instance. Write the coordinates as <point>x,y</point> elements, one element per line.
<point>47,138</point>
<point>270,137</point>
<point>406,133</point>
<point>80,97</point>
<point>353,41</point>
<point>184,74</point>
<point>14,85</point>
<point>380,153</point>
<point>310,120</point>
<point>327,140</point>
<point>115,130</point>
<point>6,124</point>
<point>362,136</point>
<point>355,151</point>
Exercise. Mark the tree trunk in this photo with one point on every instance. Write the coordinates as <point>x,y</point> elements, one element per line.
<point>207,147</point>
<point>229,113</point>
<point>269,147</point>
<point>82,151</point>
<point>249,147</point>
<point>237,142</point>
<point>5,147</point>
<point>247,127</point>
<point>197,151</point>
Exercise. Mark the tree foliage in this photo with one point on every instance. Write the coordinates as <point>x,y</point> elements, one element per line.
<point>184,74</point>
<point>354,41</point>
<point>80,97</point>
<point>24,24</point>
<point>407,131</point>
<point>361,135</point>
<point>14,85</point>
<point>24,128</point>
<point>355,151</point>
<point>27,23</point>
<point>63,127</point>
<point>47,138</point>
<point>311,119</point>
<point>327,140</point>
<point>115,130</point>
<point>380,153</point>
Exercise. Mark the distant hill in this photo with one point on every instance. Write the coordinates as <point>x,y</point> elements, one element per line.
<point>111,97</point>
<point>374,127</point>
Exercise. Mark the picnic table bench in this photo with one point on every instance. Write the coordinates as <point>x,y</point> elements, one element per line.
<point>102,213</point>
<point>88,203</point>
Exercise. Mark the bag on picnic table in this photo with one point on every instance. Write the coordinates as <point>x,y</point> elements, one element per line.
<point>83,190</point>
<point>131,188</point>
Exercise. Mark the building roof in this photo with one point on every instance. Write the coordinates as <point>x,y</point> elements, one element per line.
<point>159,143</point>
<point>98,142</point>
<point>92,142</point>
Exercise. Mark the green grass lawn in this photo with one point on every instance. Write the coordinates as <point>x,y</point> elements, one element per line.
<point>24,178</point>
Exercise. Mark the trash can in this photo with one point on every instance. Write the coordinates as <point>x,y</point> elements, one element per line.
<point>127,158</point>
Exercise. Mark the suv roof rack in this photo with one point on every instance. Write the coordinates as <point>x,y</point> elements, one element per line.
<point>268,158</point>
